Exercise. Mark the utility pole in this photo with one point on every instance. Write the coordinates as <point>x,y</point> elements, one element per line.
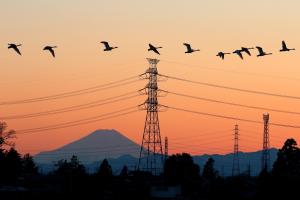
<point>166,148</point>
<point>151,153</point>
<point>265,161</point>
<point>236,162</point>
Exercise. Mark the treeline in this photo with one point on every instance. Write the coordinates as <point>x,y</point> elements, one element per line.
<point>13,166</point>
<point>19,178</point>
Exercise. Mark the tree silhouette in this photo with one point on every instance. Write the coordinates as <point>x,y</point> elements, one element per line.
<point>288,161</point>
<point>264,183</point>
<point>71,174</point>
<point>209,171</point>
<point>12,166</point>
<point>6,136</point>
<point>105,170</point>
<point>124,172</point>
<point>2,166</point>
<point>29,166</point>
<point>73,167</point>
<point>104,178</point>
<point>284,179</point>
<point>180,167</point>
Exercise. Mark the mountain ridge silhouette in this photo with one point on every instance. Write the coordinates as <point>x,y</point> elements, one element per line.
<point>120,151</point>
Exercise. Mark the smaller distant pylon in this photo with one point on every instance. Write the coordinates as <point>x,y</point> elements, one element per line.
<point>236,162</point>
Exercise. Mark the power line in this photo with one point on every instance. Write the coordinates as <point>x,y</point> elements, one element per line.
<point>64,96</point>
<point>206,138</point>
<point>80,122</point>
<point>204,150</point>
<point>202,134</point>
<point>75,92</point>
<point>231,118</point>
<point>72,108</point>
<point>232,71</point>
<point>232,88</point>
<point>117,149</point>
<point>232,104</point>
<point>177,144</point>
<point>255,136</point>
<point>87,148</point>
<point>259,133</point>
<point>90,151</point>
<point>77,124</point>
<point>107,147</point>
<point>201,144</point>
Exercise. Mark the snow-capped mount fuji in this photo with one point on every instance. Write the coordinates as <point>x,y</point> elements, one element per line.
<point>96,146</point>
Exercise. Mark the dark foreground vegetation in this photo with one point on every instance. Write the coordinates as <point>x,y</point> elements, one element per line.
<point>181,179</point>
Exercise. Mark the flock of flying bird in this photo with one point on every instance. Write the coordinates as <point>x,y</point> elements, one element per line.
<point>260,50</point>
<point>189,49</point>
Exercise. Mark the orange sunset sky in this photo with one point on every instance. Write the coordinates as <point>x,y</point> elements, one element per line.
<point>78,26</point>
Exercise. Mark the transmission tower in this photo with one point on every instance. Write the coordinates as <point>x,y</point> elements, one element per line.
<point>265,161</point>
<point>151,153</point>
<point>236,162</point>
<point>166,148</point>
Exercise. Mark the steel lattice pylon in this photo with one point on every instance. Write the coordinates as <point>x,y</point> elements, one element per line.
<point>265,160</point>
<point>236,162</point>
<point>151,153</point>
<point>166,148</point>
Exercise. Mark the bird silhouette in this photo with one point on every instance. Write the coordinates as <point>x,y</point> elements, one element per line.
<point>50,49</point>
<point>15,47</point>
<point>153,48</point>
<point>222,55</point>
<point>246,50</point>
<point>239,53</point>
<point>261,52</point>
<point>189,48</point>
<point>107,47</point>
<point>284,47</point>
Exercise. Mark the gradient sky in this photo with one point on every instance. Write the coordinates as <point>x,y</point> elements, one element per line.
<point>77,27</point>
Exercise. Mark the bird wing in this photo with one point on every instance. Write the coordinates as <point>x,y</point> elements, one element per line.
<point>247,51</point>
<point>17,50</point>
<point>222,56</point>
<point>240,54</point>
<point>105,44</point>
<point>151,46</point>
<point>284,45</point>
<point>52,52</point>
<point>156,51</point>
<point>260,50</point>
<point>188,46</point>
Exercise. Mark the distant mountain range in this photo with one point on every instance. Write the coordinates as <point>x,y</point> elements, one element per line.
<point>94,147</point>
<point>120,151</point>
